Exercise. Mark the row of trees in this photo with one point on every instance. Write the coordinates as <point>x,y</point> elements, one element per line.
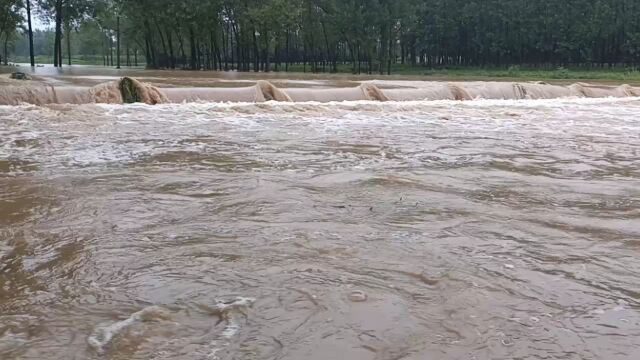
<point>366,35</point>
<point>17,16</point>
<point>10,19</point>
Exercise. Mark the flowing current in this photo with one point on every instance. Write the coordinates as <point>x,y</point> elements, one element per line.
<point>356,230</point>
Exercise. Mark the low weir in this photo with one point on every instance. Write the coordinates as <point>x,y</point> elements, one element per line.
<point>128,90</point>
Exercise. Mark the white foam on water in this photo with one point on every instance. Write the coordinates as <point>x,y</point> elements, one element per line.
<point>228,310</point>
<point>359,105</point>
<point>231,330</point>
<point>10,341</point>
<point>239,302</point>
<point>214,350</point>
<point>233,327</point>
<point>375,106</point>
<point>102,336</point>
<point>112,135</point>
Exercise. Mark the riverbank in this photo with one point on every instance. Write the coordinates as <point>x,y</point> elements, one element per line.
<point>506,73</point>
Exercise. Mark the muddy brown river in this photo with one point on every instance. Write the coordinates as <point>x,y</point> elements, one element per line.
<point>487,229</point>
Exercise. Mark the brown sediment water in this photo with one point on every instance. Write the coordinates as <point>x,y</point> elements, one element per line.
<point>484,229</point>
<point>443,91</point>
<point>492,90</point>
<point>271,92</point>
<point>332,94</point>
<point>133,91</point>
<point>540,90</point>
<point>594,91</point>
<point>38,94</point>
<point>125,90</point>
<point>244,94</point>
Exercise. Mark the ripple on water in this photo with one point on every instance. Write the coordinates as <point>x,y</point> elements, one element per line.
<point>484,229</point>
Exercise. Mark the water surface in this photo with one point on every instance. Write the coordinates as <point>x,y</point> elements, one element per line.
<point>358,230</point>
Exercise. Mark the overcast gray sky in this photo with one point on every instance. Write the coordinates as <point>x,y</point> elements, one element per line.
<point>36,22</point>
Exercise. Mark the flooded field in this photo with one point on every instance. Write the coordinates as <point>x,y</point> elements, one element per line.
<point>485,229</point>
<point>87,75</point>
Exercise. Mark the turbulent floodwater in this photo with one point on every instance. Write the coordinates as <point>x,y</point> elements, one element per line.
<point>417,230</point>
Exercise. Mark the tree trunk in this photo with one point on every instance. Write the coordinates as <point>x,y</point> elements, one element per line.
<point>276,52</point>
<point>118,42</point>
<point>69,45</point>
<point>183,56</point>
<point>198,55</point>
<point>31,55</point>
<point>194,51</point>
<point>391,52</point>
<point>256,56</point>
<point>164,45</point>
<point>412,50</point>
<point>267,60</point>
<point>110,51</point>
<point>328,54</point>
<point>150,54</point>
<point>286,64</point>
<point>354,61</point>
<point>55,48</point>
<point>57,56</point>
<point>172,58</point>
<point>225,34</point>
<point>235,60</point>
<point>213,61</point>
<point>383,49</point>
<point>60,50</point>
<point>6,48</point>
<point>216,48</point>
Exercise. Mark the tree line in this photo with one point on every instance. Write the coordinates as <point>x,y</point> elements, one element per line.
<point>325,35</point>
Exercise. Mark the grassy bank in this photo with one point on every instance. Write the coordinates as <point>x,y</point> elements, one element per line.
<point>516,72</point>
<point>511,72</point>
